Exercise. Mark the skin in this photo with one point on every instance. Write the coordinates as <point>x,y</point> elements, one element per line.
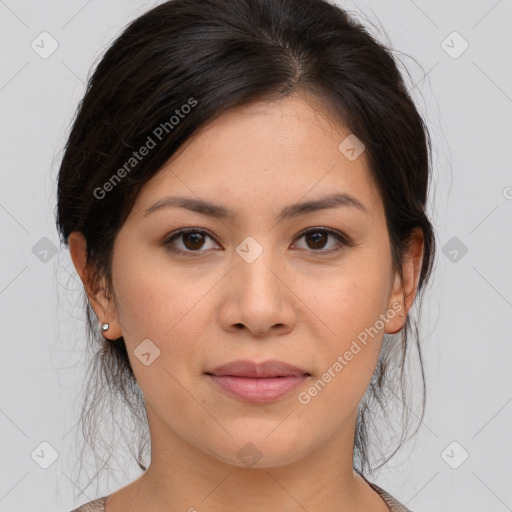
<point>292,304</point>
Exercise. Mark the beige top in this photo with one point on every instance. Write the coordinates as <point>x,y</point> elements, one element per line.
<point>98,505</point>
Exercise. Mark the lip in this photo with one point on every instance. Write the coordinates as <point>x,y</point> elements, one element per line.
<point>257,382</point>
<point>245,368</point>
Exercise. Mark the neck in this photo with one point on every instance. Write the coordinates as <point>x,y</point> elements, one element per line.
<point>184,478</point>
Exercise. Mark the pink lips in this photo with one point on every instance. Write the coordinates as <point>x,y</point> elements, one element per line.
<point>257,382</point>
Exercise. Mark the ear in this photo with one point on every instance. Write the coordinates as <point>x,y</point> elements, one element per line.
<point>103,306</point>
<point>403,293</point>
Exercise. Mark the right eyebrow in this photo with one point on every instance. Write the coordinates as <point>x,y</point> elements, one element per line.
<point>221,212</point>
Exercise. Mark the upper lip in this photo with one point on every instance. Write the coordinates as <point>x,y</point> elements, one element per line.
<point>245,368</point>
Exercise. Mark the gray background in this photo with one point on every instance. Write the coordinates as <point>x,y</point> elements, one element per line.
<point>466,333</point>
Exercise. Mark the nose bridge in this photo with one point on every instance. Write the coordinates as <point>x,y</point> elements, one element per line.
<point>258,296</point>
<point>257,268</point>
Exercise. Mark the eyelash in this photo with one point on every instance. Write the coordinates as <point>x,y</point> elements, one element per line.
<point>344,240</point>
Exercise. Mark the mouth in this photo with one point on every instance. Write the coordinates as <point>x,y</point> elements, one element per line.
<point>266,369</point>
<point>257,382</point>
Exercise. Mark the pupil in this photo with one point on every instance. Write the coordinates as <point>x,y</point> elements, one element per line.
<point>317,239</point>
<point>195,237</point>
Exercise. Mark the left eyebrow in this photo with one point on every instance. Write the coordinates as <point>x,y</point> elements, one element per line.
<point>288,212</point>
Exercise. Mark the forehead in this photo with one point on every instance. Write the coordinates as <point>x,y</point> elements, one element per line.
<point>265,153</point>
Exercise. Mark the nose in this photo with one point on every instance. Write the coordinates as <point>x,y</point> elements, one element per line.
<point>259,296</point>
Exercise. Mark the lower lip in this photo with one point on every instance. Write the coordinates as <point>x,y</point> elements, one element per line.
<point>257,389</point>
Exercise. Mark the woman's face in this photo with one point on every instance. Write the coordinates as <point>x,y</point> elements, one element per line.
<point>249,285</point>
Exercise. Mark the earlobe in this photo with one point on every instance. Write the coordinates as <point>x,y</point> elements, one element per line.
<point>101,304</point>
<point>397,311</point>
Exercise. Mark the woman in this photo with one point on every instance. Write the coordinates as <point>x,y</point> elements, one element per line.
<point>243,195</point>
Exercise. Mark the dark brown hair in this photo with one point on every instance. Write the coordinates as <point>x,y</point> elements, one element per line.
<point>222,54</point>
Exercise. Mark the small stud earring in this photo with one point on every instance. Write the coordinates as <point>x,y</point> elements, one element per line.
<point>104,327</point>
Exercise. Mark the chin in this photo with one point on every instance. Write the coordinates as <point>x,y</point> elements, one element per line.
<point>260,451</point>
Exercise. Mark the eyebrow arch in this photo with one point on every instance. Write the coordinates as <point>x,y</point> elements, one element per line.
<point>288,212</point>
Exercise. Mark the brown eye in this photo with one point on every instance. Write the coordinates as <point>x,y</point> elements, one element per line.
<point>317,238</point>
<point>192,240</point>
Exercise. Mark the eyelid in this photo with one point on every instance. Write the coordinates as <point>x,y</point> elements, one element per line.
<point>343,239</point>
<point>176,234</point>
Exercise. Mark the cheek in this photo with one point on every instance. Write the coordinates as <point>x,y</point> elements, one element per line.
<point>354,300</point>
<point>165,304</point>
<point>152,295</point>
<point>349,312</point>
<point>158,303</point>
